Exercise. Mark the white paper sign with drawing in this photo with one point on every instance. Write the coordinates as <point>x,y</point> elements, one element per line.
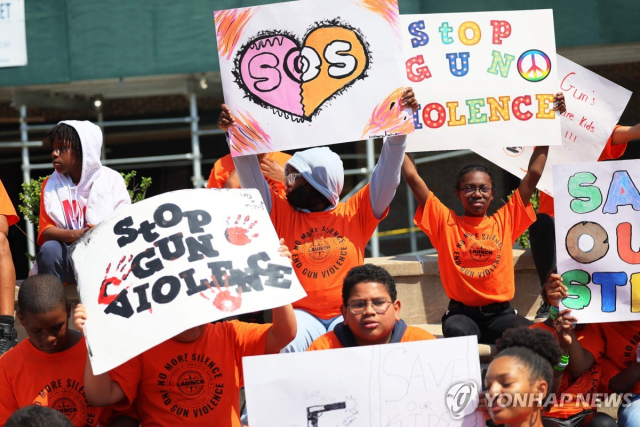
<point>594,106</point>
<point>483,79</point>
<point>176,261</point>
<point>309,73</point>
<point>422,383</point>
<point>597,239</point>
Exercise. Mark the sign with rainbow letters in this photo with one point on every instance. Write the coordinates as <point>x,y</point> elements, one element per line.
<point>303,74</point>
<point>597,239</point>
<point>483,79</point>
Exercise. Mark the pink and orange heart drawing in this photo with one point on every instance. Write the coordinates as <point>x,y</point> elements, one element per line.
<point>295,78</point>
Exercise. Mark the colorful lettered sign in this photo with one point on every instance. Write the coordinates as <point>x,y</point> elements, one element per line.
<point>594,106</point>
<point>422,383</point>
<point>173,262</point>
<point>483,79</point>
<point>598,238</point>
<point>303,74</point>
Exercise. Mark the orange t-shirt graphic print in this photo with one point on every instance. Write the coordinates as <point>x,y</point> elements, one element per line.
<point>325,246</point>
<point>474,254</point>
<point>29,376</point>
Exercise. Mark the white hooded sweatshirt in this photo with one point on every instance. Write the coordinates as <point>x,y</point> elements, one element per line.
<point>101,190</point>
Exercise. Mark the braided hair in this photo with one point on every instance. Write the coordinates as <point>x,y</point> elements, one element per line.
<point>67,137</point>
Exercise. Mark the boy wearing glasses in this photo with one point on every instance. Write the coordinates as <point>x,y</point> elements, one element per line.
<point>371,313</point>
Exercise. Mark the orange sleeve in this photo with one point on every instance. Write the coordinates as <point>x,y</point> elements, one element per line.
<point>45,220</point>
<point>591,339</point>
<point>432,216</point>
<point>6,207</point>
<point>250,340</point>
<point>515,216</point>
<point>281,158</point>
<point>414,333</point>
<point>128,377</point>
<point>220,172</point>
<point>325,342</point>
<point>612,152</point>
<point>8,402</point>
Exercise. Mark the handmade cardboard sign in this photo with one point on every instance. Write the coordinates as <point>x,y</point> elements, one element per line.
<point>483,79</point>
<point>422,383</point>
<point>303,74</point>
<point>176,261</point>
<point>594,106</point>
<point>598,239</point>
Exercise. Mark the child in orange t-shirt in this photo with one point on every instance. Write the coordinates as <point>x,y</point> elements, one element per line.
<point>371,313</point>
<point>542,232</point>
<point>48,368</point>
<point>8,217</point>
<point>224,175</point>
<point>193,378</point>
<point>327,237</point>
<point>568,410</point>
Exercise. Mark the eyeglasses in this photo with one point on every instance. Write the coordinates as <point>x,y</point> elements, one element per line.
<point>380,306</point>
<point>468,191</point>
<point>291,178</point>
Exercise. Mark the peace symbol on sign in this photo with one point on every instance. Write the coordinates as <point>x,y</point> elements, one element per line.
<point>534,65</point>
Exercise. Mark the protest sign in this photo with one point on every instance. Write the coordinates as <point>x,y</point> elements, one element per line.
<point>422,383</point>
<point>594,106</point>
<point>13,34</point>
<point>159,267</point>
<point>483,79</point>
<point>597,239</point>
<point>303,74</point>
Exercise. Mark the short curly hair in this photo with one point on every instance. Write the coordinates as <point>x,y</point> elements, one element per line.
<point>368,273</point>
<point>535,348</point>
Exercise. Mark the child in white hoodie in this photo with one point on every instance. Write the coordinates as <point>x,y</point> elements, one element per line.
<point>78,195</point>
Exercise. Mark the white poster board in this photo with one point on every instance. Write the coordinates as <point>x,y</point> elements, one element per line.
<point>147,273</point>
<point>13,34</point>
<point>598,239</point>
<point>483,79</point>
<point>422,383</point>
<point>594,106</point>
<point>304,74</point>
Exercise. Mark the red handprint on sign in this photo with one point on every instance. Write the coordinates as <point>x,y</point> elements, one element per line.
<point>236,233</point>
<point>106,295</point>
<point>223,300</point>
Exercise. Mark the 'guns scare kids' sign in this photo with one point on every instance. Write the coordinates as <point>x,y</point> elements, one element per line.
<point>483,79</point>
<point>308,73</point>
<point>173,262</point>
<point>598,239</point>
<point>594,107</point>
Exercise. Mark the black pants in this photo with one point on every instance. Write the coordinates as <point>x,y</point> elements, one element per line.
<point>586,419</point>
<point>542,236</point>
<point>488,327</point>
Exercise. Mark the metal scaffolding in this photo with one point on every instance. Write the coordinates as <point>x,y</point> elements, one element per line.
<point>195,157</point>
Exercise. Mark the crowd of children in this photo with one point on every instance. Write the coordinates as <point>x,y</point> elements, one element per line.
<point>348,303</point>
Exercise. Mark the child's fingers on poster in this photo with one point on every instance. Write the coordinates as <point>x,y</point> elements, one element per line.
<point>284,251</point>
<point>80,317</point>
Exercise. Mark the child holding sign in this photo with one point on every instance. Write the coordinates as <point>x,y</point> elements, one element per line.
<point>193,378</point>
<point>542,232</point>
<point>474,251</point>
<point>47,369</point>
<point>327,237</point>
<point>567,410</point>
<point>371,313</point>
